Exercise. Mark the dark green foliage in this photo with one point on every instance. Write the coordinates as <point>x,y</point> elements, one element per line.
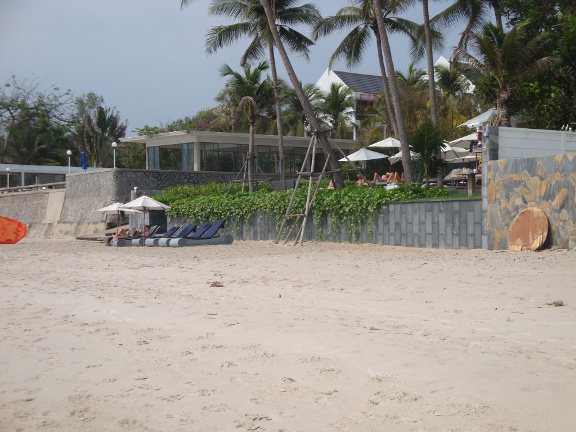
<point>350,205</point>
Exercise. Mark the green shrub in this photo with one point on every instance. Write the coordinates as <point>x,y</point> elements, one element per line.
<point>350,205</point>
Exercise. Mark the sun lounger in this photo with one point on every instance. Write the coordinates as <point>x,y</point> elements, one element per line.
<point>130,241</point>
<point>211,236</point>
<point>186,231</point>
<point>153,241</point>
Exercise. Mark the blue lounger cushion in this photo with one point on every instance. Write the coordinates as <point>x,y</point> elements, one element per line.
<point>153,241</point>
<point>209,237</point>
<point>187,230</point>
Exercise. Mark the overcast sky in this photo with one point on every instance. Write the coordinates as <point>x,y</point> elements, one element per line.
<point>146,58</point>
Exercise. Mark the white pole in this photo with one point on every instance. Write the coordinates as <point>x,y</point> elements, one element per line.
<point>69,153</point>
<point>114,145</point>
<point>7,177</point>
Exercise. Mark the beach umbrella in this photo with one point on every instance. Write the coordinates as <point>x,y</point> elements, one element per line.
<point>464,141</point>
<point>449,152</point>
<point>362,156</point>
<point>398,156</point>
<point>387,143</point>
<point>145,203</point>
<point>115,208</point>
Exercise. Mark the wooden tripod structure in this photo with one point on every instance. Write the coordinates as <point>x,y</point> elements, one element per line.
<point>300,219</point>
<point>244,173</point>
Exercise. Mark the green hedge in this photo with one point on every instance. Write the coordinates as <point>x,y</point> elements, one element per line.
<point>349,205</point>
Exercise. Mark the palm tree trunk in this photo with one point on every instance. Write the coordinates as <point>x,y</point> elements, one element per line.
<point>385,86</point>
<point>402,135</point>
<point>279,124</point>
<point>504,107</point>
<point>250,166</point>
<point>306,105</point>
<point>430,61</point>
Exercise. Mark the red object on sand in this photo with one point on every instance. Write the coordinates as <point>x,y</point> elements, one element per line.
<point>11,231</point>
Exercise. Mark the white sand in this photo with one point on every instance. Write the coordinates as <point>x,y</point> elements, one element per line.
<point>328,337</point>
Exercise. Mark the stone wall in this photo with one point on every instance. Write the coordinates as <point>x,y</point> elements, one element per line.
<point>439,224</point>
<point>544,182</point>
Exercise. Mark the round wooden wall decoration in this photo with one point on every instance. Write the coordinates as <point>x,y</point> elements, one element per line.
<point>528,230</point>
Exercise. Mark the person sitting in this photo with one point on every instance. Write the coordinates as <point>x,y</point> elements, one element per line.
<point>331,185</point>
<point>361,181</point>
<point>120,233</point>
<point>381,179</point>
<point>141,233</point>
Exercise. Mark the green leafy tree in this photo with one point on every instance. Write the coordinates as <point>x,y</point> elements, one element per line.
<point>294,117</point>
<point>248,98</point>
<point>453,87</point>
<point>336,109</point>
<point>427,142</point>
<point>507,58</point>
<point>412,88</point>
<point>253,23</point>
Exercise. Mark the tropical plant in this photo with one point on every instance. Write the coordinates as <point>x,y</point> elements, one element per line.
<point>254,24</point>
<point>413,97</point>
<point>427,142</point>
<point>452,85</point>
<point>248,97</point>
<point>294,117</point>
<point>99,128</point>
<point>336,109</point>
<point>507,58</point>
<point>380,8</point>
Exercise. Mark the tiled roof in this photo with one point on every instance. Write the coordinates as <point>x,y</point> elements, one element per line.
<point>361,83</point>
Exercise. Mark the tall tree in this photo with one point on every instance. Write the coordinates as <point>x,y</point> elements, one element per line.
<point>507,58</point>
<point>412,88</point>
<point>293,113</point>
<point>249,97</point>
<point>254,25</point>
<point>362,21</point>
<point>395,94</point>
<point>337,106</point>
<point>452,84</point>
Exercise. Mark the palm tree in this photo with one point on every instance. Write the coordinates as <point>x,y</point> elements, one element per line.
<point>254,25</point>
<point>428,144</point>
<point>452,83</point>
<point>249,98</point>
<point>99,129</point>
<point>306,105</point>
<point>507,58</point>
<point>294,117</point>
<point>395,94</point>
<point>353,47</point>
<point>336,108</point>
<point>412,88</point>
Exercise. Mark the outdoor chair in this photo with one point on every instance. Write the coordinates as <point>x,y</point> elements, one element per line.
<point>185,232</point>
<point>210,236</point>
<point>153,241</point>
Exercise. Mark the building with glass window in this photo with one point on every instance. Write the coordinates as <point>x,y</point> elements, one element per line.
<point>220,151</point>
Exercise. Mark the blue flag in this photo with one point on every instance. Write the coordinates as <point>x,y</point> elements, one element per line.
<point>84,162</point>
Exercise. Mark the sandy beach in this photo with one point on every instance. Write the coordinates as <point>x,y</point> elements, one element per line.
<point>256,336</point>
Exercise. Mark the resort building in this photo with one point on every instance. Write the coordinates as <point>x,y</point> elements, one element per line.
<point>226,152</point>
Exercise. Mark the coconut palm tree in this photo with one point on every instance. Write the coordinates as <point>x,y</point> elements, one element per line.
<point>249,98</point>
<point>362,21</point>
<point>99,129</point>
<point>394,92</point>
<point>294,117</point>
<point>452,83</point>
<point>412,87</point>
<point>252,23</point>
<point>507,58</point>
<point>336,108</point>
<point>306,105</point>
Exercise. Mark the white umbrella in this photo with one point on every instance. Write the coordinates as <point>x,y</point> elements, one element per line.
<point>363,155</point>
<point>449,152</point>
<point>387,143</point>
<point>464,141</point>
<point>463,158</point>
<point>145,203</point>
<point>116,208</point>
<point>398,156</point>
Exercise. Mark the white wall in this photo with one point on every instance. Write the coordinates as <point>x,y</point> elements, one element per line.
<point>525,143</point>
